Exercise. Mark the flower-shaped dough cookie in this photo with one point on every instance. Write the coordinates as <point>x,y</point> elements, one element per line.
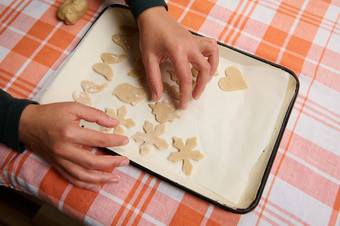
<point>150,137</point>
<point>185,153</point>
<point>164,111</point>
<point>121,113</point>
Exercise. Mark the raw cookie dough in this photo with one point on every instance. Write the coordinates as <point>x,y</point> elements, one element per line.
<point>119,130</point>
<point>139,71</point>
<point>194,72</point>
<point>134,73</point>
<point>234,80</point>
<point>185,153</point>
<point>121,113</point>
<point>172,91</point>
<point>82,97</point>
<point>103,69</point>
<point>72,10</point>
<point>129,94</point>
<point>122,41</point>
<point>164,111</point>
<point>150,137</point>
<point>111,58</point>
<point>91,87</point>
<point>173,76</point>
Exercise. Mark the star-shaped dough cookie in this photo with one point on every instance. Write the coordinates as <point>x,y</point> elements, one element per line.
<point>185,153</point>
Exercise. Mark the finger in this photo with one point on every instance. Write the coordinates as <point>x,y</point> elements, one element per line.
<point>209,48</point>
<point>78,174</point>
<point>95,115</point>
<point>154,77</point>
<point>89,160</point>
<point>72,180</point>
<point>88,137</point>
<point>203,77</point>
<point>185,79</point>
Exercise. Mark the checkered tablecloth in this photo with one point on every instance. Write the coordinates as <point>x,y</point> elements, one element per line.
<point>303,186</point>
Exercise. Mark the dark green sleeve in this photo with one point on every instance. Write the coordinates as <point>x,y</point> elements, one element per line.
<point>10,113</point>
<point>139,6</point>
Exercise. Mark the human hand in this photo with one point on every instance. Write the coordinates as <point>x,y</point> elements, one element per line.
<point>162,38</point>
<point>53,132</point>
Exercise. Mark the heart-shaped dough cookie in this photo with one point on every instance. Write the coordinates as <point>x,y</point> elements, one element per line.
<point>234,80</point>
<point>103,69</point>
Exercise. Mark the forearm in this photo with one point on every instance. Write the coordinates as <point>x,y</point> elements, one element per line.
<point>10,113</point>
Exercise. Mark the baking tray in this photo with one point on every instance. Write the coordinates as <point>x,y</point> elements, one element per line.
<point>238,132</point>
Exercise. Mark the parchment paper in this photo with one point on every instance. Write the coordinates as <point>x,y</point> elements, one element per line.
<point>232,128</point>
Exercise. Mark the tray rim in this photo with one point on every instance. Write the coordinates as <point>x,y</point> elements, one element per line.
<point>271,159</point>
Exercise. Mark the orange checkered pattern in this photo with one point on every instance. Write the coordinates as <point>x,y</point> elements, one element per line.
<point>303,187</point>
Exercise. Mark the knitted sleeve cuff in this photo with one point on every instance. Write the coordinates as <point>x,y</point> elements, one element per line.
<point>139,6</point>
<point>10,112</point>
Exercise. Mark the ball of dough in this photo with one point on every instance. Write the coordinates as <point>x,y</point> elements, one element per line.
<point>72,10</point>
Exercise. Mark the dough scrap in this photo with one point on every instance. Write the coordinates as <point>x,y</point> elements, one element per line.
<point>151,137</point>
<point>234,80</point>
<point>122,41</point>
<point>120,116</point>
<point>129,94</point>
<point>185,153</point>
<point>164,111</point>
<point>91,87</point>
<point>82,97</point>
<point>194,72</point>
<point>103,69</point>
<point>111,58</point>
<point>139,71</point>
<point>172,91</point>
<point>173,76</point>
<point>135,73</point>
<point>72,10</point>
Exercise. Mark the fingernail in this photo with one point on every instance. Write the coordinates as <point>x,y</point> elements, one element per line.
<point>197,96</point>
<point>184,106</point>
<point>124,162</point>
<point>114,180</point>
<point>95,188</point>
<point>126,141</point>
<point>154,96</point>
<point>114,120</point>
